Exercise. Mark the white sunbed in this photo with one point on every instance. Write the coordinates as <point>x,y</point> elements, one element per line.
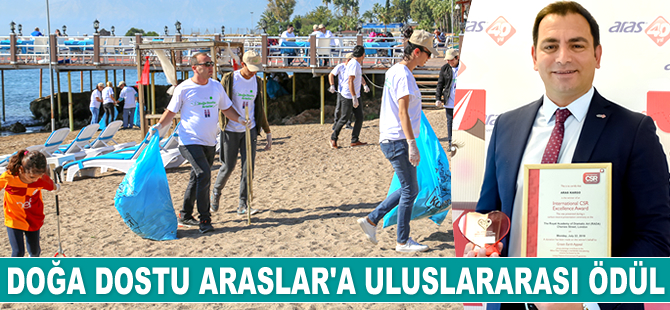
<point>120,160</point>
<point>78,146</point>
<point>105,142</point>
<point>49,147</point>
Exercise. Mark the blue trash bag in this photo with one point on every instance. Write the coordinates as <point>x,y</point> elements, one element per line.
<point>143,197</point>
<point>136,119</point>
<point>274,89</point>
<point>103,123</point>
<point>434,177</point>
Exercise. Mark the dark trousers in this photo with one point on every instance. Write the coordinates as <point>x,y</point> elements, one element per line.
<point>109,110</point>
<point>347,107</point>
<point>201,158</point>
<point>16,241</point>
<point>450,121</point>
<point>338,108</point>
<point>233,143</point>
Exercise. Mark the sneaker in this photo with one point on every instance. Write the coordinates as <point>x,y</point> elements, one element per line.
<point>411,246</point>
<point>187,222</point>
<point>241,210</point>
<point>214,202</point>
<point>369,230</point>
<point>206,227</point>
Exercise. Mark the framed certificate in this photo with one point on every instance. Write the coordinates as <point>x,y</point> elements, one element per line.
<point>567,210</point>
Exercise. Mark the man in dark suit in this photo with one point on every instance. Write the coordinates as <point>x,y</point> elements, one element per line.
<point>566,51</point>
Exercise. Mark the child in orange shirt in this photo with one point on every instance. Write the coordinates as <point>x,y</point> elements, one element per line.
<point>24,210</point>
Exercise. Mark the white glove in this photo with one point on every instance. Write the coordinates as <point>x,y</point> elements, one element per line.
<point>156,127</point>
<point>332,89</point>
<point>56,189</point>
<point>268,136</point>
<point>355,102</point>
<point>243,121</point>
<point>414,156</point>
<point>366,88</point>
<point>439,103</point>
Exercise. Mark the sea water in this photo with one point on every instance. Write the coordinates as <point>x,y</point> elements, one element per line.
<point>22,87</point>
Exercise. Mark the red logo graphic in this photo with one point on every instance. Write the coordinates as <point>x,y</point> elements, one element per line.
<point>591,178</point>
<point>470,106</point>
<point>500,30</point>
<point>659,109</point>
<point>461,68</point>
<point>659,31</point>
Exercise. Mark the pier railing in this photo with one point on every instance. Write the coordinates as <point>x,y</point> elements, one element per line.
<point>276,52</point>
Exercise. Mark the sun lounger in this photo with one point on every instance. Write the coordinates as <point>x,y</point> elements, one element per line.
<point>78,146</point>
<point>52,144</point>
<point>120,160</point>
<point>105,142</point>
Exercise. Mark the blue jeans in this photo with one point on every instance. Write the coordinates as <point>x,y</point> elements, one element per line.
<point>128,116</point>
<point>18,247</point>
<point>397,152</point>
<point>94,115</point>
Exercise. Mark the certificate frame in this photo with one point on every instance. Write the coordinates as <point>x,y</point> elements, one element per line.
<point>533,192</point>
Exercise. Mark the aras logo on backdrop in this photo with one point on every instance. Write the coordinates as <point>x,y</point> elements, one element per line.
<point>659,31</point>
<point>659,109</point>
<point>470,106</point>
<point>500,30</point>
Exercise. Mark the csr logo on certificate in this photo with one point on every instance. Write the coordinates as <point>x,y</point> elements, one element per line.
<point>567,210</point>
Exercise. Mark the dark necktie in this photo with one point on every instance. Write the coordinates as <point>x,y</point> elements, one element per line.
<point>556,140</point>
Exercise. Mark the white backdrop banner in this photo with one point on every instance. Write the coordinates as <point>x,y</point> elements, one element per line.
<point>497,75</point>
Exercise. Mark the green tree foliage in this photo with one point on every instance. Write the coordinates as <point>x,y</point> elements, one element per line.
<point>152,34</point>
<point>320,15</point>
<point>400,11</point>
<point>132,31</point>
<point>281,9</point>
<point>422,12</point>
<point>347,8</point>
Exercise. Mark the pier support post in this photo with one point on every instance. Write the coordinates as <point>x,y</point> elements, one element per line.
<point>70,108</point>
<point>81,81</point>
<point>153,94</point>
<point>293,88</point>
<point>2,77</point>
<point>323,101</point>
<point>40,83</point>
<point>265,93</point>
<point>140,87</point>
<point>58,95</point>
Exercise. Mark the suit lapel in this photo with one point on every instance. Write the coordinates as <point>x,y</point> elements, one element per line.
<point>594,123</point>
<point>517,143</point>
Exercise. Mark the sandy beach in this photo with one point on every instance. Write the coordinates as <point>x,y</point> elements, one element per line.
<point>309,196</point>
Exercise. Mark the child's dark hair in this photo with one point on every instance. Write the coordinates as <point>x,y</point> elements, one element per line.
<point>32,162</point>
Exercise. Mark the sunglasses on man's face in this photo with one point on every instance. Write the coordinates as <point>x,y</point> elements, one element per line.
<point>206,64</point>
<point>425,50</point>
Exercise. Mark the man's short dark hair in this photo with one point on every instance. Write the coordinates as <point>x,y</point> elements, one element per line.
<point>563,8</point>
<point>358,51</point>
<point>289,26</point>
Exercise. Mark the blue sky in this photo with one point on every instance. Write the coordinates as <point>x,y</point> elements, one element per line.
<point>154,15</point>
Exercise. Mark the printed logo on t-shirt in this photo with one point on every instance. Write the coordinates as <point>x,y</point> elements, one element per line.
<point>25,205</point>
<point>207,113</point>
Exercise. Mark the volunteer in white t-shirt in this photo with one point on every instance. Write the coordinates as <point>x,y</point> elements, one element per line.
<point>199,100</point>
<point>108,102</point>
<point>341,79</point>
<point>96,101</point>
<point>244,88</point>
<point>288,35</point>
<point>350,93</point>
<point>399,122</point>
<point>129,96</point>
